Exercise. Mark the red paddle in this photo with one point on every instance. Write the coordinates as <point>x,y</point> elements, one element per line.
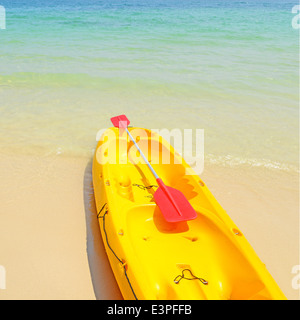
<point>171,202</point>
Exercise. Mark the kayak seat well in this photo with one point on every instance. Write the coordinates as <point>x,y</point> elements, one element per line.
<point>216,256</point>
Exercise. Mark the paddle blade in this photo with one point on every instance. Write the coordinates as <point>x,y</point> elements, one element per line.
<point>120,121</point>
<point>173,204</point>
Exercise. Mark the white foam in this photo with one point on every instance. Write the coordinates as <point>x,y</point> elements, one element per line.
<point>234,161</point>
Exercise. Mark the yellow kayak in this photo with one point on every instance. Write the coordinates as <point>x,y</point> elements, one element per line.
<point>204,258</point>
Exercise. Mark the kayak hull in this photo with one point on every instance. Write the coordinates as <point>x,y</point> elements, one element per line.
<point>205,258</point>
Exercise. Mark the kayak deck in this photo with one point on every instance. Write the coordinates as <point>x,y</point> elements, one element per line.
<point>164,251</point>
<point>205,258</point>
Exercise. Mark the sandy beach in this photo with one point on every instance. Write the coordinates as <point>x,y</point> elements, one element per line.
<point>51,246</point>
<point>50,241</point>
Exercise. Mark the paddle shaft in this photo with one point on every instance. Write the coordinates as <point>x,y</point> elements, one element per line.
<point>141,153</point>
<point>172,203</point>
<point>159,181</point>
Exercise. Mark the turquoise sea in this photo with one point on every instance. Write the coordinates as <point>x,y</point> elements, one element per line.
<point>228,67</point>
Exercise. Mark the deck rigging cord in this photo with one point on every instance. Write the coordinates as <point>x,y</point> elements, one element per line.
<point>120,260</point>
<point>193,277</point>
<point>144,187</point>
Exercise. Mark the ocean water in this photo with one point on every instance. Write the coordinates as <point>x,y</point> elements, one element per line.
<point>228,67</point>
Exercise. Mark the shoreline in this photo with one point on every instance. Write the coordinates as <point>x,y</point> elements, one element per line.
<point>51,247</point>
